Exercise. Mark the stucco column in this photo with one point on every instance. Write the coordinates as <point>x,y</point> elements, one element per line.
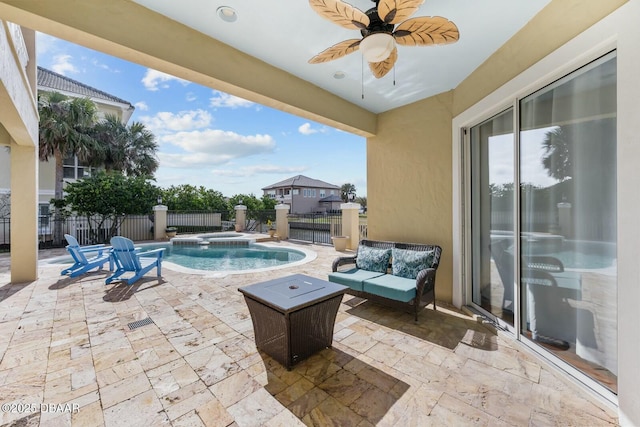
<point>351,224</point>
<point>159,222</point>
<point>282,221</point>
<point>241,217</point>
<point>24,213</point>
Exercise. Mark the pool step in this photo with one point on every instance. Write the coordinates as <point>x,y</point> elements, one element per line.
<point>194,241</point>
<point>230,243</point>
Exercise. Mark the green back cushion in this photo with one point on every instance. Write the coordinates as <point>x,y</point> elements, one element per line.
<point>373,259</point>
<point>408,263</point>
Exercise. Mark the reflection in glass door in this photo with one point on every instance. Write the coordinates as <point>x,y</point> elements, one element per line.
<point>492,219</point>
<point>568,219</point>
<point>565,213</point>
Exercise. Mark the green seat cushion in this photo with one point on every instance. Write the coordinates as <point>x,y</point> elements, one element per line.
<point>393,287</point>
<point>373,259</point>
<point>407,263</point>
<point>352,278</point>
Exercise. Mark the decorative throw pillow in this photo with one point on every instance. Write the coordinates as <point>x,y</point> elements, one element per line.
<point>373,259</point>
<point>408,263</point>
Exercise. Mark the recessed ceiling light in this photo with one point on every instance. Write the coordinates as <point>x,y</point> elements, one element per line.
<point>339,75</point>
<point>227,14</point>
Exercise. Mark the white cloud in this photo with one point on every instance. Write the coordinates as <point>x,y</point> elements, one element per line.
<point>259,169</point>
<point>153,78</point>
<point>191,160</point>
<point>224,100</point>
<point>213,147</point>
<point>45,43</point>
<point>62,64</point>
<point>104,66</point>
<point>142,106</point>
<point>165,121</point>
<point>306,129</point>
<point>190,97</point>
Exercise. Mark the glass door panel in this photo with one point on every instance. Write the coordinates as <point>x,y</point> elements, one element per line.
<point>492,218</point>
<point>568,219</point>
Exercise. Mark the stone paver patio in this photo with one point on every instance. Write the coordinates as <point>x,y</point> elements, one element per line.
<point>68,357</point>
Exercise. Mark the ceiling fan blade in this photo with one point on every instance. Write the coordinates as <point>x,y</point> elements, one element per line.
<point>380,69</point>
<point>426,30</point>
<point>395,11</point>
<point>341,13</point>
<point>336,51</point>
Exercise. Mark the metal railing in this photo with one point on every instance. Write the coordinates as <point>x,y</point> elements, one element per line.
<point>5,233</point>
<point>315,228</point>
<point>260,220</point>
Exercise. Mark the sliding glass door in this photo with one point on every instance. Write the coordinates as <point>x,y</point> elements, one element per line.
<point>492,219</point>
<point>563,266</point>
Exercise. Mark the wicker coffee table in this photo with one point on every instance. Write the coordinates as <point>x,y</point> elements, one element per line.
<point>293,317</point>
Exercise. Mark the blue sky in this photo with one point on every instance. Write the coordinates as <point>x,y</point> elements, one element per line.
<point>210,138</point>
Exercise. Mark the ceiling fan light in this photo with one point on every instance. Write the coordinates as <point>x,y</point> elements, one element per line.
<point>377,47</point>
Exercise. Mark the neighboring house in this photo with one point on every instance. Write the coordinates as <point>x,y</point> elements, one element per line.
<point>48,81</point>
<point>431,163</point>
<point>305,195</point>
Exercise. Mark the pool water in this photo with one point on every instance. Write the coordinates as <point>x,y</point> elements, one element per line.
<point>582,260</point>
<point>583,255</point>
<point>217,258</point>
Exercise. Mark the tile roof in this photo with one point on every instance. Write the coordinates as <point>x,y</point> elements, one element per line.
<point>301,181</point>
<point>58,82</point>
<point>331,198</point>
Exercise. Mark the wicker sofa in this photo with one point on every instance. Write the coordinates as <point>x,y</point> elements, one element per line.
<point>392,273</point>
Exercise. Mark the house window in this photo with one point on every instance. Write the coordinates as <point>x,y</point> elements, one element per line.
<point>75,169</point>
<point>554,186</point>
<point>296,191</point>
<point>308,192</point>
<point>323,193</point>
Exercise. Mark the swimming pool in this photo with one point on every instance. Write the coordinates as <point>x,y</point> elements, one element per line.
<point>215,260</point>
<point>229,258</point>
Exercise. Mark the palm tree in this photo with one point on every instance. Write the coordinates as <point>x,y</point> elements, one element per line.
<point>129,149</point>
<point>559,153</point>
<point>65,130</point>
<point>345,190</point>
<point>363,202</point>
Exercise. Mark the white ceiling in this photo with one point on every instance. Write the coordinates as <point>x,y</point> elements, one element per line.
<point>287,33</point>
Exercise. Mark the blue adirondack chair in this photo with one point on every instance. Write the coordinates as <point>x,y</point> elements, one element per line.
<point>127,259</point>
<point>98,256</point>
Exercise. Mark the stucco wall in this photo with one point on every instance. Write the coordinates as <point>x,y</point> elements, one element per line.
<point>47,176</point>
<point>409,179</point>
<point>18,110</point>
<point>104,109</point>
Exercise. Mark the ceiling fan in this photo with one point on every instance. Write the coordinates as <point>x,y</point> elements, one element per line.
<point>379,31</point>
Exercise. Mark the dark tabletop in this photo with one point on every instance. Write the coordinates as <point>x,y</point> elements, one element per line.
<point>292,292</point>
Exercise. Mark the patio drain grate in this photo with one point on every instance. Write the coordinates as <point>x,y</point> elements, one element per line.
<point>139,323</point>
